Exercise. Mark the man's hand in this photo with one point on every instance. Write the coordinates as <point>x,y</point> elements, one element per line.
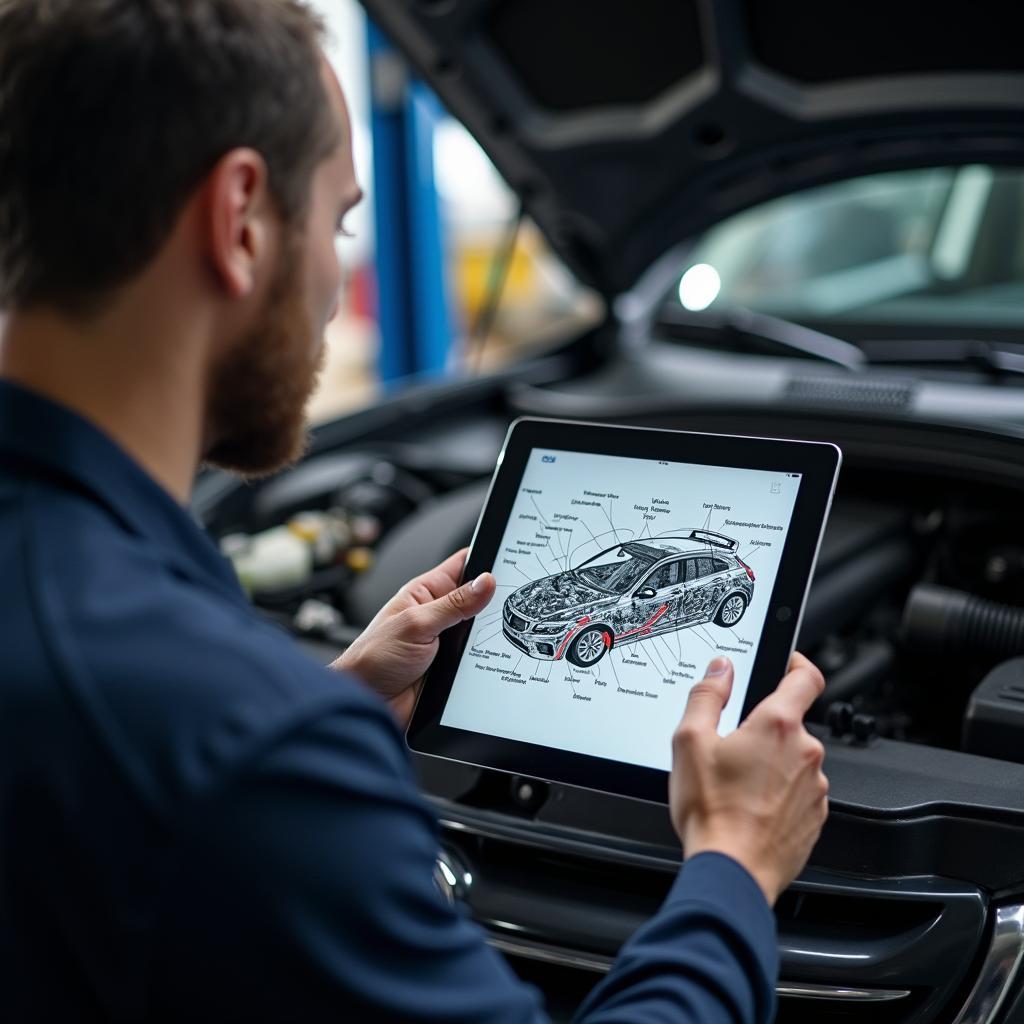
<point>397,647</point>
<point>759,794</point>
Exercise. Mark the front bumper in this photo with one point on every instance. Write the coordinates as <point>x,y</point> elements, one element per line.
<point>519,633</point>
<point>543,648</point>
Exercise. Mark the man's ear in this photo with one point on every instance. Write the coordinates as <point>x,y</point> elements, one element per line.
<point>237,220</point>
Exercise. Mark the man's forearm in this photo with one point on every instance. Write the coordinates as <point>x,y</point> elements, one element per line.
<point>709,956</point>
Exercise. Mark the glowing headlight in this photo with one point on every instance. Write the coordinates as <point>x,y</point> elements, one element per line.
<point>550,627</point>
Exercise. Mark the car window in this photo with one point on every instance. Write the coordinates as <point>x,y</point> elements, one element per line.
<point>705,567</point>
<point>666,575</point>
<point>691,569</point>
<point>938,246</point>
<point>721,565</point>
<point>616,571</point>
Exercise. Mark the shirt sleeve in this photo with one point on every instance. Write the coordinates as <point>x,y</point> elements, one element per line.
<point>709,955</point>
<point>304,890</point>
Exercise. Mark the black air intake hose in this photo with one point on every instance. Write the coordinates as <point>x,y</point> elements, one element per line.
<point>942,621</point>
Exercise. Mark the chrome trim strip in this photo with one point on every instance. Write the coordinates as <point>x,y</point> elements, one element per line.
<point>997,973</point>
<point>451,876</point>
<point>542,841</point>
<point>551,954</point>
<point>602,964</point>
<point>790,990</point>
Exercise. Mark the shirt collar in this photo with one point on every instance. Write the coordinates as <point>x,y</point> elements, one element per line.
<point>50,439</point>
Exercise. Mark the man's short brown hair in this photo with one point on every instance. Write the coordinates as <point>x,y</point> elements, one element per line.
<point>113,111</point>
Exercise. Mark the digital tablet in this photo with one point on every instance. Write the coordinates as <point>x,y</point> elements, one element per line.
<point>626,559</point>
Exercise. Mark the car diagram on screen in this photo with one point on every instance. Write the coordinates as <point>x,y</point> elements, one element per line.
<point>629,592</point>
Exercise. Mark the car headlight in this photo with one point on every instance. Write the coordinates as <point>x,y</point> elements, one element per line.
<point>550,627</point>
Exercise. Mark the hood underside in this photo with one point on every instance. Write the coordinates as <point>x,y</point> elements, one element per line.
<point>625,128</point>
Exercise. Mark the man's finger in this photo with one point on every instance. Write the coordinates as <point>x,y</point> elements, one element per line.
<point>797,660</point>
<point>793,697</point>
<point>451,568</point>
<point>440,580</point>
<point>708,697</point>
<point>432,619</point>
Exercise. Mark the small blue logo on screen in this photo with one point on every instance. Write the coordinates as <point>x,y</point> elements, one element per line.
<point>547,458</point>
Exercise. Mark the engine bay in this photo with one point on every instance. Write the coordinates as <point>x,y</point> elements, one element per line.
<point>918,593</point>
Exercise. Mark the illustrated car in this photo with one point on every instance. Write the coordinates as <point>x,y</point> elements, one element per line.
<point>629,592</point>
<point>852,176</point>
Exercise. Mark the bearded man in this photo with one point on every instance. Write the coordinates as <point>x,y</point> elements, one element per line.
<point>196,821</point>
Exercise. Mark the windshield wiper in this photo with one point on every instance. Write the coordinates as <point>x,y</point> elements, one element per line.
<point>1002,358</point>
<point>758,332</point>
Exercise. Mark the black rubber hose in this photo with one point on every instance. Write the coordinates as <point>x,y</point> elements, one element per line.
<point>845,593</point>
<point>942,621</point>
<point>873,661</point>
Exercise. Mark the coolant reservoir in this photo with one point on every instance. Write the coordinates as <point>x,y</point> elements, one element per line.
<point>281,557</point>
<point>288,555</point>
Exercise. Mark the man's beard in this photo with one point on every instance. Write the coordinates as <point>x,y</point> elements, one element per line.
<point>258,393</point>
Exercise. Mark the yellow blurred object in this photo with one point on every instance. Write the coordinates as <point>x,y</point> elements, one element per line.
<point>327,533</point>
<point>474,262</point>
<point>359,559</point>
<point>305,529</point>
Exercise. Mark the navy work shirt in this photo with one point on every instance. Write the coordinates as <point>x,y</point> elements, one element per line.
<point>199,823</point>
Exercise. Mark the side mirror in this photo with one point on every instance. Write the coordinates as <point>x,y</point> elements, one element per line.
<point>646,593</point>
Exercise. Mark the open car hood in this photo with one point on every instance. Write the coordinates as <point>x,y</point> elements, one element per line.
<point>625,128</point>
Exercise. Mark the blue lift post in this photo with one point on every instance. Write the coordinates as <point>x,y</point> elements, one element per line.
<point>414,310</point>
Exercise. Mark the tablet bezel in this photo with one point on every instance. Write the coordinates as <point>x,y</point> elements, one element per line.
<point>818,464</point>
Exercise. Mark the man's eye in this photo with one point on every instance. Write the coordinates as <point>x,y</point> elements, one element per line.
<point>341,231</point>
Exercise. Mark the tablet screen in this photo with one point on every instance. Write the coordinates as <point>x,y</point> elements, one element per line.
<point>619,579</point>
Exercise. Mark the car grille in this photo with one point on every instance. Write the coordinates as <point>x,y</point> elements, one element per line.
<point>516,622</point>
<point>604,893</point>
<point>516,641</point>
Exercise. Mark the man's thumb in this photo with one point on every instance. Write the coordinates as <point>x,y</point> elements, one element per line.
<point>709,696</point>
<point>459,604</point>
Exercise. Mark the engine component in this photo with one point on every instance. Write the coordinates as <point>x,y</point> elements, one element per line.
<point>359,559</point>
<point>365,529</point>
<point>864,728</point>
<point>844,721</point>
<point>361,484</point>
<point>317,618</point>
<point>286,556</point>
<point>424,539</point>
<point>839,718</point>
<point>949,622</point>
<point>327,533</point>
<point>843,593</point>
<point>275,558</point>
<point>870,662</point>
<point>994,723</point>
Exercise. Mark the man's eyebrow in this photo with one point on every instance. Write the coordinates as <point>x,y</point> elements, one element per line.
<point>355,198</point>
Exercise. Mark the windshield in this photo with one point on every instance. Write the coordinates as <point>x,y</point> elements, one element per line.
<point>939,248</point>
<point>616,571</point>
